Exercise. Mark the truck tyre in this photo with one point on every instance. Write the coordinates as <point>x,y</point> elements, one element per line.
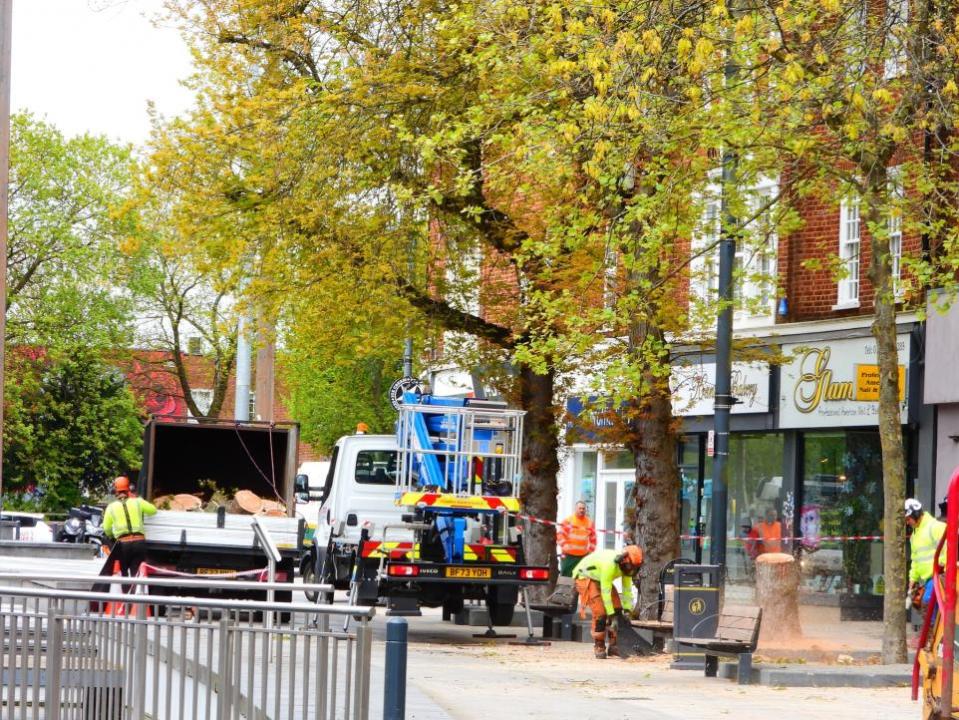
<point>500,613</point>
<point>308,573</point>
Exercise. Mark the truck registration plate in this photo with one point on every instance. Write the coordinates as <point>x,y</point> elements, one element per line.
<point>468,572</point>
<point>214,571</point>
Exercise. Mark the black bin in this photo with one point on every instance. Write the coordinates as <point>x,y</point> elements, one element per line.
<point>696,611</point>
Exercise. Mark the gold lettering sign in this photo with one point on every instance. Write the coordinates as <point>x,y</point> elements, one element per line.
<point>815,382</point>
<point>867,383</point>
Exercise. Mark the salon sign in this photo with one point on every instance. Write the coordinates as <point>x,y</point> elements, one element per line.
<point>835,383</point>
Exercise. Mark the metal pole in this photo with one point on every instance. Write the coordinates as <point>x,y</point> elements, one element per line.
<point>724,339</point>
<point>6,26</point>
<point>241,409</point>
<point>394,681</point>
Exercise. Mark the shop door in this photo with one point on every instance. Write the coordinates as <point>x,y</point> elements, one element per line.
<point>692,524</point>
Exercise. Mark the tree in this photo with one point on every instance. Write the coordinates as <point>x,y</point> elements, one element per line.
<point>72,426</point>
<point>877,85</point>
<point>63,256</point>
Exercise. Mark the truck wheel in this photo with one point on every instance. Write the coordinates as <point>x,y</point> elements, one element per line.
<point>308,573</point>
<point>500,613</point>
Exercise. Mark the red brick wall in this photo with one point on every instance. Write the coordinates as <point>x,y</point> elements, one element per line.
<point>151,375</point>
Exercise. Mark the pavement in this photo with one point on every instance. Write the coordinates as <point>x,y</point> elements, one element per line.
<point>454,676</point>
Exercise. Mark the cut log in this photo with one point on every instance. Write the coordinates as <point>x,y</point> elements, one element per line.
<point>182,501</point>
<point>272,506</point>
<point>777,593</point>
<point>163,502</point>
<point>248,502</point>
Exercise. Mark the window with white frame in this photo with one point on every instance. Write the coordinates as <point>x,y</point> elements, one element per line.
<point>897,17</point>
<point>896,197</point>
<point>849,237</point>
<point>754,271</point>
<point>203,400</point>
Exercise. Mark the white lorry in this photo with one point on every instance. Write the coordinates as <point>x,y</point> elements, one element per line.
<point>425,517</point>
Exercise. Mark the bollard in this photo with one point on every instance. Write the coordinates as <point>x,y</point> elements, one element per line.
<point>394,689</point>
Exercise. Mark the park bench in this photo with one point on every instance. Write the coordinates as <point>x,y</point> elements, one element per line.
<point>559,610</point>
<point>736,636</point>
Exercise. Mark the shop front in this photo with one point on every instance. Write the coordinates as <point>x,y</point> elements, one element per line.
<point>805,464</point>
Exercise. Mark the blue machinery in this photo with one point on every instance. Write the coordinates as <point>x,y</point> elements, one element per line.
<point>459,459</point>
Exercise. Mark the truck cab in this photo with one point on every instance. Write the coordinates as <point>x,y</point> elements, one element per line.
<point>357,493</point>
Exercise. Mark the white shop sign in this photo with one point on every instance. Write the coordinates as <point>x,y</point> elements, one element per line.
<point>835,383</point>
<point>694,388</point>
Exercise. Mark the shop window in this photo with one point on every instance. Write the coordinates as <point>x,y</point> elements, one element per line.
<point>618,460</point>
<point>759,512</point>
<point>842,497</point>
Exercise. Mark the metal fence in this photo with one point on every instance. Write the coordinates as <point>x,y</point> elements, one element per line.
<point>74,654</point>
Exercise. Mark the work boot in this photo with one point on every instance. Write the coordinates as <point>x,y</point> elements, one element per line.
<point>613,651</point>
<point>599,650</point>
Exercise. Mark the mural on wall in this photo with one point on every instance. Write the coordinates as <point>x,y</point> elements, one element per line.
<point>157,389</point>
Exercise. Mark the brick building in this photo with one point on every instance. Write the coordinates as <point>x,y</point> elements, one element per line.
<point>804,443</point>
<point>153,379</point>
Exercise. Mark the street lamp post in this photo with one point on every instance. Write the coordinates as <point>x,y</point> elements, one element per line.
<point>6,37</point>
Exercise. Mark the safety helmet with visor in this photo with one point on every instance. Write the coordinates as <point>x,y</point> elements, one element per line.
<point>121,485</point>
<point>630,559</point>
<point>913,509</point>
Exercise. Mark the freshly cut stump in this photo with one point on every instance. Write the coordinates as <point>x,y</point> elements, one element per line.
<point>182,501</point>
<point>777,593</point>
<point>248,502</point>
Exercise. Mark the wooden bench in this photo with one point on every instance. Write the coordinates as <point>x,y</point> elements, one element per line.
<point>664,623</point>
<point>737,634</point>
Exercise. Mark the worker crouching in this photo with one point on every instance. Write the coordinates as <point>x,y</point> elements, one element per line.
<point>594,577</point>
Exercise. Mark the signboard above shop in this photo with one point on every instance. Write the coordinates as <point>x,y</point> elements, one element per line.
<point>834,383</point>
<point>694,388</point>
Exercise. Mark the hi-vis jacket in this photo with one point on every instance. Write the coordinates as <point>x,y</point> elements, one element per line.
<point>115,518</point>
<point>576,536</point>
<point>601,566</point>
<point>925,538</point>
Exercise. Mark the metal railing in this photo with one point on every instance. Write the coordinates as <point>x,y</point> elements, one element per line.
<point>74,654</point>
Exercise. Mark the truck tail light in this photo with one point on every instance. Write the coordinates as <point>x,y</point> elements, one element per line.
<point>534,574</point>
<point>404,570</point>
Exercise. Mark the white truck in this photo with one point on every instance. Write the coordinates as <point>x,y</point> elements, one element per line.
<point>425,518</point>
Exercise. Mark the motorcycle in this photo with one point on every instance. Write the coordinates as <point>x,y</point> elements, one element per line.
<point>84,524</point>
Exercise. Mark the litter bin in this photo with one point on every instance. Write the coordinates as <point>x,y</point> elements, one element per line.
<point>696,611</point>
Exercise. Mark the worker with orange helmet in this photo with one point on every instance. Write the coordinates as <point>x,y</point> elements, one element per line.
<point>594,576</point>
<point>123,521</point>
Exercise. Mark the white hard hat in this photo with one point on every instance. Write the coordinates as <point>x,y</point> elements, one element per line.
<point>913,507</point>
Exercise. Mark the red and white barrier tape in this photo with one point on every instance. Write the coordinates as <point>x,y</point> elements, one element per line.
<point>823,538</point>
<point>148,570</point>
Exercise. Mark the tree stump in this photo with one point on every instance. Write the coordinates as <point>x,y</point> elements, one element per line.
<point>777,593</point>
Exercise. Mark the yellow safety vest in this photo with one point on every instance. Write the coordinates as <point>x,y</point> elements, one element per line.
<point>115,519</point>
<point>925,538</point>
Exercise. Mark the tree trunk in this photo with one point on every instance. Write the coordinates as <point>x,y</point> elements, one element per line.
<point>651,437</point>
<point>890,429</point>
<point>777,593</point>
<point>540,466</point>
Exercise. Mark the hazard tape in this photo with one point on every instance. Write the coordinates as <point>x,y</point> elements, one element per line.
<point>822,538</point>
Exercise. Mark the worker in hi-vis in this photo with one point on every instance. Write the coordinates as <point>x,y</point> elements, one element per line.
<point>576,537</point>
<point>123,520</point>
<point>594,576</point>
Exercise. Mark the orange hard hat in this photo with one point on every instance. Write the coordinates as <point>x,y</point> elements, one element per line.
<point>362,427</point>
<point>121,484</point>
<point>633,554</point>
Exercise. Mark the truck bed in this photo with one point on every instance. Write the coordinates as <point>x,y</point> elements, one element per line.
<point>196,530</point>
